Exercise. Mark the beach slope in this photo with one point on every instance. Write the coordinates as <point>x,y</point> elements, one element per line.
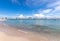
<point>8,33</point>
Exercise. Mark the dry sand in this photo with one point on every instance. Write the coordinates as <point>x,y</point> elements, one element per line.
<point>8,33</point>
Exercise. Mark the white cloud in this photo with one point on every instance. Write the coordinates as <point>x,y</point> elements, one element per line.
<point>42,14</point>
<point>32,16</point>
<point>56,9</point>
<point>16,2</point>
<point>28,16</point>
<point>21,16</point>
<point>54,4</point>
<point>38,16</point>
<point>34,3</point>
<point>46,11</point>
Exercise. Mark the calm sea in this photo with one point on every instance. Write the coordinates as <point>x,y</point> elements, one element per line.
<point>41,25</point>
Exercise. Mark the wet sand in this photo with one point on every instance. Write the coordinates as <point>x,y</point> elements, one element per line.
<point>8,33</point>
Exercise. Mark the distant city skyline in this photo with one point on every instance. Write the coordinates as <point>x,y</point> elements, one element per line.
<point>30,8</point>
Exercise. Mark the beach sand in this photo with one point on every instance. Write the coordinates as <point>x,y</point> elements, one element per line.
<point>8,33</point>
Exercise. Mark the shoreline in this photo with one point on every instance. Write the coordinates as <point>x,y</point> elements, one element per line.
<point>8,33</point>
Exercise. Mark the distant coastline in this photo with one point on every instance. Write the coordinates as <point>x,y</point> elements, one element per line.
<point>3,19</point>
<point>32,19</point>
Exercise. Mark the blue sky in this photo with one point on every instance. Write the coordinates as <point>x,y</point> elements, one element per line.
<point>39,8</point>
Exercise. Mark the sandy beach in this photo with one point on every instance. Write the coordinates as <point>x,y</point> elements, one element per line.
<point>8,33</point>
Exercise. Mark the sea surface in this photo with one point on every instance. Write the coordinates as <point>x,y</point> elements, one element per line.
<point>48,26</point>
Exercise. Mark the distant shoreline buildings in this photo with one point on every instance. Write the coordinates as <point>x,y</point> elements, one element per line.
<point>5,18</point>
<point>36,16</point>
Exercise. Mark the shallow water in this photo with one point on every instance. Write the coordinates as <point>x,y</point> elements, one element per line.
<point>39,26</point>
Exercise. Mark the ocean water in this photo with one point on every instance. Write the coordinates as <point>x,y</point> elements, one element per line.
<point>39,26</point>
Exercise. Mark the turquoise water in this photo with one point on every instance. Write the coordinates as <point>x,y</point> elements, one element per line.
<point>36,25</point>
